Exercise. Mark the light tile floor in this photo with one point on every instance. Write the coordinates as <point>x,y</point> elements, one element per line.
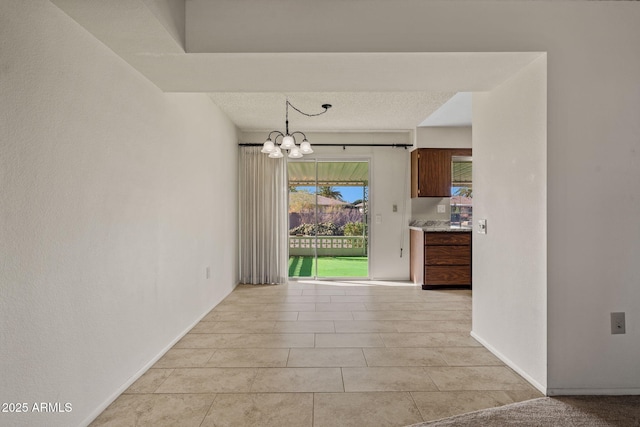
<point>323,354</point>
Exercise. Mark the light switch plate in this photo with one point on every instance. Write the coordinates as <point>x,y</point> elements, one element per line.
<point>442,208</point>
<point>378,219</point>
<point>482,226</point>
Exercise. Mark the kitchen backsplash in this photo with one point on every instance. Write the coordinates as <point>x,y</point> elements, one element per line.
<point>426,208</point>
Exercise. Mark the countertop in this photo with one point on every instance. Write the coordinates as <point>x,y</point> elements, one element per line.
<point>437,226</point>
<point>449,229</point>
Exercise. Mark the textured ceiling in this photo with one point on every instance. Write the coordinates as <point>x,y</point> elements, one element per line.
<point>350,110</point>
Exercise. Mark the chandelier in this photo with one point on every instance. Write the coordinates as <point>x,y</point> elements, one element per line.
<point>288,142</point>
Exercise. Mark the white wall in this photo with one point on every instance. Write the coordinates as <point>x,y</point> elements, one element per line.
<point>443,137</point>
<point>390,185</point>
<point>114,198</point>
<point>389,171</point>
<point>510,261</point>
<point>594,159</point>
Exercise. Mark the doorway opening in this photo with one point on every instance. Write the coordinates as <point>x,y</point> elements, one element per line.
<point>328,219</point>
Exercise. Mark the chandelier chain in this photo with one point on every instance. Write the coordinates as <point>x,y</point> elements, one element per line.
<point>325,106</point>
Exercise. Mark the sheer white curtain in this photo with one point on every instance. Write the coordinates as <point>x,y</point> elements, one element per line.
<point>263,218</point>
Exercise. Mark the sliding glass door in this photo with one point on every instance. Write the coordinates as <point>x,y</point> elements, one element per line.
<point>328,217</point>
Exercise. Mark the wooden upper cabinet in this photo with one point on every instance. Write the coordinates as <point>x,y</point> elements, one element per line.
<point>431,171</point>
<point>437,171</point>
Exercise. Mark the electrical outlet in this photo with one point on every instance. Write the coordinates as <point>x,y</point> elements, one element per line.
<point>395,208</point>
<point>618,323</point>
<point>442,208</point>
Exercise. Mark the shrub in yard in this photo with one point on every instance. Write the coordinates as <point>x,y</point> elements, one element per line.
<point>303,229</point>
<point>322,229</point>
<point>354,229</point>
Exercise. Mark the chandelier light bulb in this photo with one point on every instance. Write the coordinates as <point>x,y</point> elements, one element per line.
<point>288,142</point>
<point>268,146</point>
<point>295,153</point>
<point>276,153</point>
<point>305,147</point>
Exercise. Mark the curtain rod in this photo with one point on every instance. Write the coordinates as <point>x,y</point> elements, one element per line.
<point>405,146</point>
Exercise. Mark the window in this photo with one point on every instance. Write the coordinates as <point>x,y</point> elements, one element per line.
<point>461,192</point>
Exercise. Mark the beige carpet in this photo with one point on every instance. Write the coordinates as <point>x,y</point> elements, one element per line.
<point>557,412</point>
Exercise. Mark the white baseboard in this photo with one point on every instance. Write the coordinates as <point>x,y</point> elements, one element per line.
<point>592,391</point>
<point>510,364</point>
<point>557,391</point>
<point>94,414</point>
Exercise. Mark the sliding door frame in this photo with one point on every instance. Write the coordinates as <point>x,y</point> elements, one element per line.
<point>367,217</point>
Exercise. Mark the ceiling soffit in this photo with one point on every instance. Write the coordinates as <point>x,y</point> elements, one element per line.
<point>150,35</point>
<point>137,30</point>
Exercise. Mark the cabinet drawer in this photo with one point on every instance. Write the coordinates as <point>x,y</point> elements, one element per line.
<point>455,238</point>
<point>448,255</point>
<point>447,275</point>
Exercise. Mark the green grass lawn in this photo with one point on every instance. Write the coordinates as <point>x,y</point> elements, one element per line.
<point>348,266</point>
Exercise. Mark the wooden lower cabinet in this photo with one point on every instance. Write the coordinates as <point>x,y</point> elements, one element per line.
<point>447,255</point>
<point>447,259</point>
<point>447,275</point>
